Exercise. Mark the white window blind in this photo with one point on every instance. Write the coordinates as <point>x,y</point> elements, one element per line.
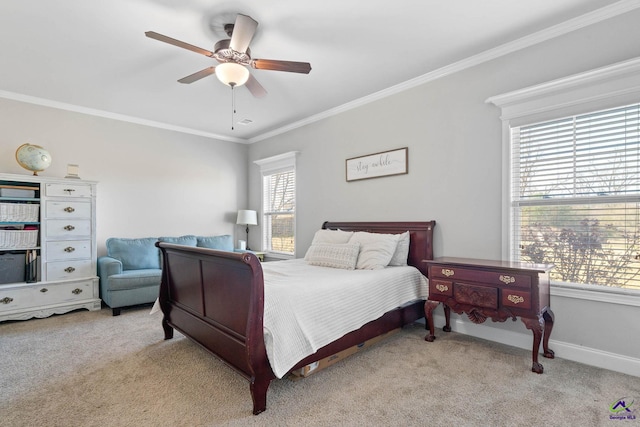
<point>575,198</point>
<point>279,204</point>
<point>279,200</point>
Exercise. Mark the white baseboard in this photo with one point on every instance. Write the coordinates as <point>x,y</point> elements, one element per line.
<point>588,356</point>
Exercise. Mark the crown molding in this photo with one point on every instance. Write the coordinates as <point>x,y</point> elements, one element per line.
<point>618,8</point>
<point>115,116</point>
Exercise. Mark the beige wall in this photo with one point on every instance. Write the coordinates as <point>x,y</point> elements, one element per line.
<point>455,175</point>
<point>154,182</point>
<point>454,140</point>
<point>151,182</point>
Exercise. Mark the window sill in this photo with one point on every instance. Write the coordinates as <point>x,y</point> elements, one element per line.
<point>597,293</point>
<point>276,256</point>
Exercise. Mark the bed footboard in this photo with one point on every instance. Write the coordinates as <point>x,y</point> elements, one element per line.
<point>216,298</point>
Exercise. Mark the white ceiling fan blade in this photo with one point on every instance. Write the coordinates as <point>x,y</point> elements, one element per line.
<point>243,31</point>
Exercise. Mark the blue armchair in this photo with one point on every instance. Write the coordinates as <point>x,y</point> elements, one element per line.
<point>131,272</point>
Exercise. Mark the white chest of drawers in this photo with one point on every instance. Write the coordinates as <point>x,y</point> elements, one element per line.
<point>63,277</point>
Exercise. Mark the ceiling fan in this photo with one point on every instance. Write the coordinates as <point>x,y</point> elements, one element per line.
<point>234,57</point>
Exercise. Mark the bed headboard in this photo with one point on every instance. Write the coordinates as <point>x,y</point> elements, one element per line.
<point>421,235</point>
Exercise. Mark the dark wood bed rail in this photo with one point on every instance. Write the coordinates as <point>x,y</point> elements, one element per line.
<point>216,299</point>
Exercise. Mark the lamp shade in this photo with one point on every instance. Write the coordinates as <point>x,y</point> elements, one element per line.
<point>247,217</point>
<point>232,74</point>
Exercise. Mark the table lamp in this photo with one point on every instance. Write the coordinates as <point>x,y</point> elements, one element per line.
<point>247,217</point>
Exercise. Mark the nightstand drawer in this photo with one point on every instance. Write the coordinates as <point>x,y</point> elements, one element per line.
<point>440,287</point>
<point>478,296</point>
<point>516,298</point>
<point>489,277</point>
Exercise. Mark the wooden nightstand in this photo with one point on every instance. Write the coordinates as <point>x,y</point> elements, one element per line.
<point>260,255</point>
<point>493,289</point>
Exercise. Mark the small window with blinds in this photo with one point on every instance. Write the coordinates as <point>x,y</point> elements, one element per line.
<point>575,199</point>
<point>279,200</point>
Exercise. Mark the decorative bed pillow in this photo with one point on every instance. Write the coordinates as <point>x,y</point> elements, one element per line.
<point>376,249</point>
<point>331,236</point>
<point>401,254</point>
<point>335,255</point>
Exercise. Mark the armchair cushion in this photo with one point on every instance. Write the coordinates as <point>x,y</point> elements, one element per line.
<point>223,242</point>
<point>182,240</point>
<point>134,279</point>
<point>108,266</point>
<point>135,254</point>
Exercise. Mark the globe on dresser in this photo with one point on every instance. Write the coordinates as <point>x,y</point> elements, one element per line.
<point>33,158</point>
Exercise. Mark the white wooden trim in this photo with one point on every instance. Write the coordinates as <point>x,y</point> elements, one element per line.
<point>565,350</point>
<point>597,293</point>
<point>605,87</point>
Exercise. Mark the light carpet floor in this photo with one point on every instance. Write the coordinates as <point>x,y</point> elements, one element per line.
<point>92,369</point>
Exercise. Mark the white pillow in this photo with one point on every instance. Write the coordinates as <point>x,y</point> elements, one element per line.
<point>335,255</point>
<point>401,254</point>
<point>376,249</point>
<point>331,236</point>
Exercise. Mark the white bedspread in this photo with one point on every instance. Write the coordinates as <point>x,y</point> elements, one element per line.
<point>307,307</point>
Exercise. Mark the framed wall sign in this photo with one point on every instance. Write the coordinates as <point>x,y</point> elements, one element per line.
<point>386,163</point>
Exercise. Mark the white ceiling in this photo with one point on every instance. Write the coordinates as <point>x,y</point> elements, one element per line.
<point>93,56</point>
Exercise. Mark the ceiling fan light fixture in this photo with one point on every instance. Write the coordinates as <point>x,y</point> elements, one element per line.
<point>232,74</point>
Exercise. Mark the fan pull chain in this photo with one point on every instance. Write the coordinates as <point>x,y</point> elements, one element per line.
<point>233,105</point>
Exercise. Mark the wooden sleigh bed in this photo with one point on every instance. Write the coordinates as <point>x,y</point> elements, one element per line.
<point>216,299</point>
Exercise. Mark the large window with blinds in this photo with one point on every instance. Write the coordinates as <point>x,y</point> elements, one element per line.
<point>279,204</point>
<point>575,197</point>
<point>279,212</point>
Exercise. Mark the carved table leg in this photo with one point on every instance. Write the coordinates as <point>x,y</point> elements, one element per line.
<point>536,326</point>
<point>447,317</point>
<point>549,317</point>
<point>429,306</point>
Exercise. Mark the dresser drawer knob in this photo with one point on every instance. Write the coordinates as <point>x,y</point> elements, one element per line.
<point>69,249</point>
<point>442,288</point>
<point>507,279</point>
<point>516,299</point>
<point>6,300</point>
<point>43,290</point>
<point>69,269</point>
<point>69,227</point>
<point>69,190</point>
<point>447,272</point>
<point>76,291</point>
<point>69,209</point>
